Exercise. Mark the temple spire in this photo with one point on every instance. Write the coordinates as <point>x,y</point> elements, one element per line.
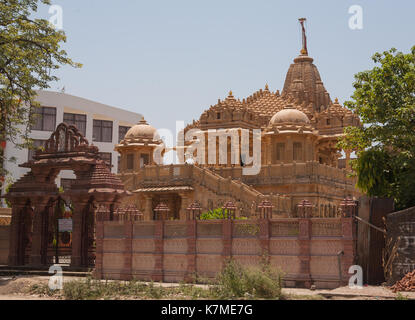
<point>304,50</point>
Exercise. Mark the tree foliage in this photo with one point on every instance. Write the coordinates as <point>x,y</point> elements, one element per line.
<point>384,99</point>
<point>30,50</point>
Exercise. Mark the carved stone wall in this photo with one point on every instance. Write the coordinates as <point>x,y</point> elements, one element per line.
<point>173,251</point>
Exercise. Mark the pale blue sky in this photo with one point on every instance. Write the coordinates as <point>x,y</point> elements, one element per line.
<point>170,60</point>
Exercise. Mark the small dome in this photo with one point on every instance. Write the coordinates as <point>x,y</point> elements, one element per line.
<point>142,130</point>
<point>289,115</point>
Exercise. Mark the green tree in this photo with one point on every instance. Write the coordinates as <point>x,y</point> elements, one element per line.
<point>384,99</point>
<point>30,50</point>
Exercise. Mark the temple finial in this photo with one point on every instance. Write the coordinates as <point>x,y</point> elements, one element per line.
<point>304,50</point>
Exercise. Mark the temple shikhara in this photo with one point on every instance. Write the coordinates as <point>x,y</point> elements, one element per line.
<point>300,127</point>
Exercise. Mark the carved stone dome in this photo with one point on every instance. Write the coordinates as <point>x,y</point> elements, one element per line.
<point>142,130</point>
<point>289,115</point>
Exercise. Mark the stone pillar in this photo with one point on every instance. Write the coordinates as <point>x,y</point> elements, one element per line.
<point>17,209</point>
<point>39,212</point>
<point>78,217</point>
<point>348,247</point>
<point>99,232</point>
<point>158,251</point>
<point>126,273</point>
<point>304,239</point>
<point>227,239</point>
<point>264,236</point>
<point>183,206</point>
<point>148,208</point>
<point>191,250</point>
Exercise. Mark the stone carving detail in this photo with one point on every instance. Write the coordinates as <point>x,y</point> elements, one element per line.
<point>143,245</point>
<point>113,261</point>
<point>324,247</point>
<point>175,230</point>
<point>65,139</point>
<point>141,231</point>
<point>285,229</point>
<point>288,264</point>
<point>324,266</point>
<point>209,246</point>
<point>246,246</point>
<point>284,247</point>
<point>327,229</point>
<point>175,246</point>
<point>143,262</point>
<point>114,231</point>
<point>209,230</point>
<point>175,262</point>
<point>209,263</point>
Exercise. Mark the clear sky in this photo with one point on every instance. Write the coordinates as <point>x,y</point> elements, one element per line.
<point>170,60</point>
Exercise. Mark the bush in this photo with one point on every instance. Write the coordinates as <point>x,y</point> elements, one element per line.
<point>236,281</point>
<point>218,214</point>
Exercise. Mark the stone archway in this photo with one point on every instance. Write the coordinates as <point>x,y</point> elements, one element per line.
<point>66,149</point>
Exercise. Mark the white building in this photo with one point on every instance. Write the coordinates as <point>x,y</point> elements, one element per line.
<point>102,125</point>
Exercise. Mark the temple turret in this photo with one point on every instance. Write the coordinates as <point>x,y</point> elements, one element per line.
<point>303,81</point>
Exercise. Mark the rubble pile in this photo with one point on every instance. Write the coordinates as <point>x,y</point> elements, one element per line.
<point>407,284</point>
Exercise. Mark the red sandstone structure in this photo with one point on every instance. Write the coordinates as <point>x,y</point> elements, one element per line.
<point>35,196</point>
<point>300,159</point>
<point>294,207</point>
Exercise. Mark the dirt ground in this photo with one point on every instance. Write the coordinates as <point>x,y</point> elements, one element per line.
<point>18,288</point>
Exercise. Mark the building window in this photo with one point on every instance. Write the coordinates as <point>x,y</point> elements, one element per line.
<point>328,122</point>
<point>119,165</point>
<point>280,151</point>
<point>130,161</point>
<point>37,145</point>
<point>297,151</point>
<point>144,160</point>
<point>107,157</point>
<point>102,131</point>
<point>218,115</point>
<point>44,119</point>
<point>122,131</point>
<point>66,184</point>
<point>78,120</point>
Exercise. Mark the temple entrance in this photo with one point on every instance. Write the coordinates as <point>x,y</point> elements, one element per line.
<point>56,226</point>
<point>59,233</point>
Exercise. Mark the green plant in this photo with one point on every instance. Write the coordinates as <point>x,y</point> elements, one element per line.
<point>236,281</point>
<point>384,100</point>
<point>218,214</point>
<point>400,296</point>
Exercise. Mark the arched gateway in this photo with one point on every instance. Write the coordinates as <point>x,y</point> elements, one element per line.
<point>35,197</point>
